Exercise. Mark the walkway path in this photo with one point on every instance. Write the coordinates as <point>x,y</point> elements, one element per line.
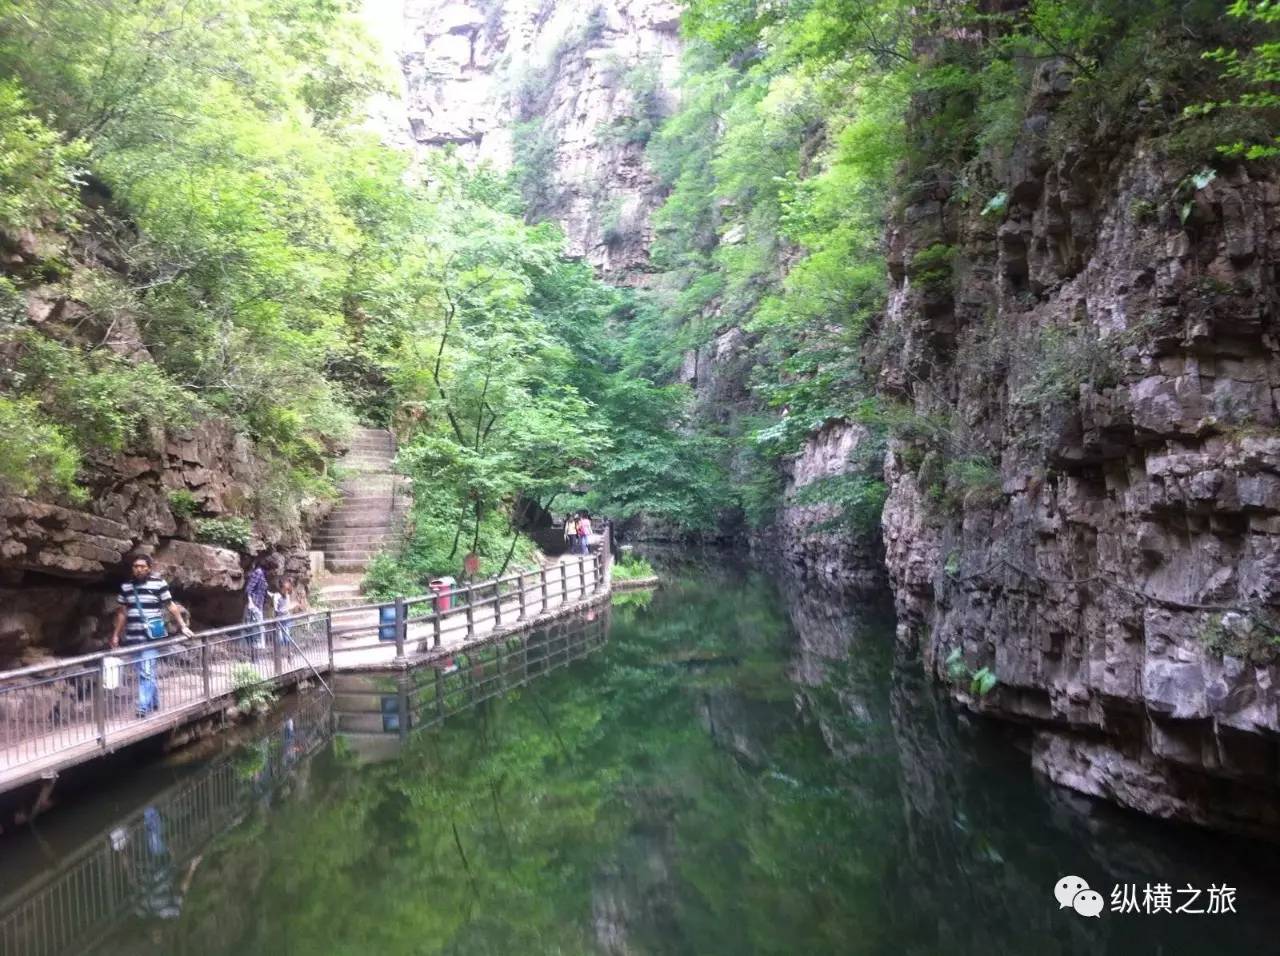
<point>58,715</point>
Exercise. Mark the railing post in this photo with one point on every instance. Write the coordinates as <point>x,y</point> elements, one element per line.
<point>497,604</point>
<point>542,577</point>
<point>471,612</point>
<point>582,578</point>
<point>206,669</point>
<point>402,627</point>
<point>564,583</point>
<point>524,608</point>
<point>276,662</point>
<point>436,623</point>
<point>606,558</point>
<point>402,705</point>
<point>328,636</point>
<point>100,707</point>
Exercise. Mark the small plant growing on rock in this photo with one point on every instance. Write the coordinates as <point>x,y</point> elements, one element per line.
<point>252,694</point>
<point>1236,634</point>
<point>231,533</point>
<point>183,503</point>
<point>633,569</point>
<point>981,682</point>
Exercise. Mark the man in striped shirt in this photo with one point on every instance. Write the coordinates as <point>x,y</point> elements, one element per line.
<point>142,600</point>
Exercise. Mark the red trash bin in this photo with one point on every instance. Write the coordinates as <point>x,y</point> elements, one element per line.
<point>442,587</point>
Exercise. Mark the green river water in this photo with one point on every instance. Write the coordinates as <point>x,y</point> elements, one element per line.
<point>727,767</point>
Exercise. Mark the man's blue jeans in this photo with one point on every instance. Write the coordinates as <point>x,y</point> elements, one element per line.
<point>148,695</point>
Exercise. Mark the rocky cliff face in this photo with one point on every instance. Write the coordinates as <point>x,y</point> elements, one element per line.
<point>815,537</point>
<point>59,566</point>
<point>570,89</point>
<point>1098,522</point>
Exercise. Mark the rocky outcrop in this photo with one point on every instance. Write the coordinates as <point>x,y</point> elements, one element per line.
<point>818,534</point>
<point>574,88</point>
<point>59,565</point>
<point>1100,524</point>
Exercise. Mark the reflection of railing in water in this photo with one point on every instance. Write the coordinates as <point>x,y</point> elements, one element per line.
<point>139,866</point>
<point>376,712</point>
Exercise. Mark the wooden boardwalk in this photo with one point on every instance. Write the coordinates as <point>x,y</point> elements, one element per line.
<point>55,716</point>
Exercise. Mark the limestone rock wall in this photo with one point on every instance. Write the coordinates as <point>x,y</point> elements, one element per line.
<point>60,566</point>
<point>1102,526</point>
<point>581,78</point>
<point>817,538</point>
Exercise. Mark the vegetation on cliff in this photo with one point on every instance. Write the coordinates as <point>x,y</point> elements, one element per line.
<point>807,128</point>
<point>197,224</point>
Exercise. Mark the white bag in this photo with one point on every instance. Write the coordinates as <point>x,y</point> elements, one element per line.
<point>111,673</point>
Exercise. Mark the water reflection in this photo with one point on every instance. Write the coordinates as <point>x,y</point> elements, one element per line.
<point>141,866</point>
<point>742,768</point>
<point>375,712</point>
<point>124,882</point>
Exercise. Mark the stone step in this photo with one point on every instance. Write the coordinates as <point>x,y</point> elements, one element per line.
<point>378,533</point>
<point>346,564</point>
<point>383,510</point>
<point>376,506</point>
<point>367,523</point>
<point>352,554</point>
<point>387,484</point>
<point>356,544</point>
<point>364,509</point>
<point>340,589</point>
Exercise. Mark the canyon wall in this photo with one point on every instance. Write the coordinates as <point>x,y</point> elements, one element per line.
<point>570,90</point>
<point>168,493</point>
<point>1096,516</point>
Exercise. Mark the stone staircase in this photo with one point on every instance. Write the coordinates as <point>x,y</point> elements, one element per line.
<point>374,499</point>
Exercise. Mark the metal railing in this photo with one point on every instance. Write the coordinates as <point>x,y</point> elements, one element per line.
<point>423,623</point>
<point>395,704</point>
<point>58,714</point>
<point>94,702</point>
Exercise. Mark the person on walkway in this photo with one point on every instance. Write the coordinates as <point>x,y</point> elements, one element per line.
<point>584,533</point>
<point>571,532</point>
<point>255,599</point>
<point>140,608</point>
<point>285,603</point>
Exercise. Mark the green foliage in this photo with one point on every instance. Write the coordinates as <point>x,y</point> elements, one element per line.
<point>35,453</point>
<point>229,532</point>
<point>39,170</point>
<point>252,693</point>
<point>931,267</point>
<point>643,85</point>
<point>633,568</point>
<point>1253,637</point>
<point>104,401</point>
<point>858,500</point>
<point>1251,71</point>
<point>534,151</point>
<point>972,481</point>
<point>981,681</point>
<point>183,503</point>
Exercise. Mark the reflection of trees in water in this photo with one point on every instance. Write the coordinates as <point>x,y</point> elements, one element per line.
<point>125,889</point>
<point>712,783</point>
